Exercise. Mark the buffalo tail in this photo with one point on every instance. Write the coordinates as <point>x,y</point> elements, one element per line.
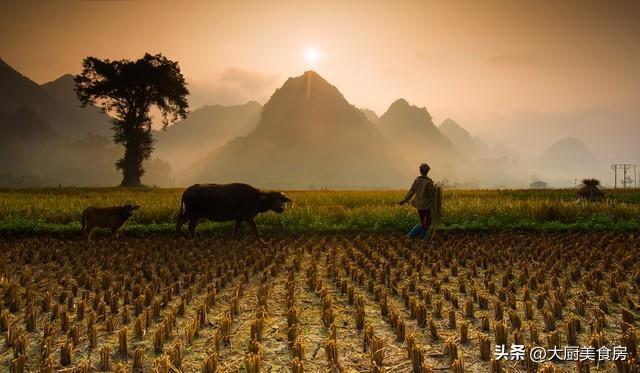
<point>180,215</point>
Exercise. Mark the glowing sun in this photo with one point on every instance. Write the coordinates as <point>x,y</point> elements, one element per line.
<point>312,55</point>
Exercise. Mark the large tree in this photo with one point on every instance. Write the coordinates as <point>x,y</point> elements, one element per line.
<point>127,90</point>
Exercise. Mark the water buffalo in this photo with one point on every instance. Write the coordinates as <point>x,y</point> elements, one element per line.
<point>226,202</point>
<point>106,217</point>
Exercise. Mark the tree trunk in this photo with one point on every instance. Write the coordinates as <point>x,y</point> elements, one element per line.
<point>131,164</point>
<point>130,181</point>
<point>135,134</point>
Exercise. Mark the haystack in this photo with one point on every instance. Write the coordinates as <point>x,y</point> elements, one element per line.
<point>436,209</point>
<point>589,191</point>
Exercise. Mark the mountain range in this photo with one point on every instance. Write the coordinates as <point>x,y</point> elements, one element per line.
<point>411,131</point>
<point>206,128</point>
<point>54,101</point>
<point>47,139</point>
<point>462,139</point>
<point>568,154</point>
<point>306,136</point>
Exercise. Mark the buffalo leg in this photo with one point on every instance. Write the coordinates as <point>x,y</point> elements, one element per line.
<point>88,232</point>
<point>254,228</point>
<point>181,220</point>
<point>236,228</point>
<point>193,223</point>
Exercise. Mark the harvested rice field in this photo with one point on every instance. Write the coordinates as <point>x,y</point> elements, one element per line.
<point>337,302</point>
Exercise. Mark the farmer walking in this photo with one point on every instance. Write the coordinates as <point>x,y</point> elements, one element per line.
<point>426,201</point>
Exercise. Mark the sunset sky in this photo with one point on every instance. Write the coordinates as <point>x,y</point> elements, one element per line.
<point>497,67</point>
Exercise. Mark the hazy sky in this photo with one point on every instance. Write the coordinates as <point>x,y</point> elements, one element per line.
<point>483,63</point>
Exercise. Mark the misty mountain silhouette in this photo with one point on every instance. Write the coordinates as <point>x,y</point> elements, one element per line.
<point>462,139</point>
<point>32,154</point>
<point>204,130</point>
<point>20,133</point>
<point>55,102</point>
<point>568,152</point>
<point>567,160</point>
<point>412,132</point>
<point>23,126</point>
<point>501,150</point>
<point>85,121</point>
<point>371,115</point>
<point>308,136</point>
<point>74,151</point>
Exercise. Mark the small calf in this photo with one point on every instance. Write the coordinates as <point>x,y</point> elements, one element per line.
<point>106,217</point>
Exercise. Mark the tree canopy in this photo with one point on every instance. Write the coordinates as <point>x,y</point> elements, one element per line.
<point>127,90</point>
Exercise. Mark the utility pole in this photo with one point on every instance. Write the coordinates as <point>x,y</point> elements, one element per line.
<point>626,180</point>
